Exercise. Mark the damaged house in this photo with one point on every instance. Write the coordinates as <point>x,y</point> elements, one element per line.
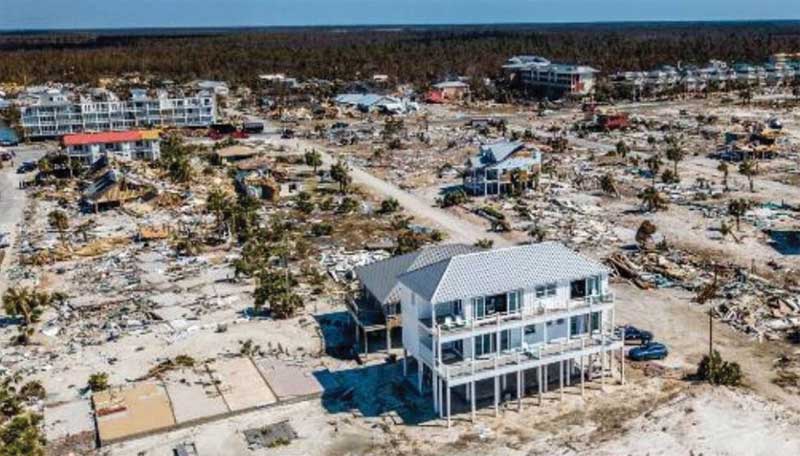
<point>370,102</point>
<point>131,145</point>
<point>113,188</point>
<point>499,168</point>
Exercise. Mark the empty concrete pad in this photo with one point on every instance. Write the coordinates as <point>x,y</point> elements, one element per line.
<point>128,412</point>
<point>289,382</point>
<point>193,395</point>
<point>241,384</point>
<point>68,419</point>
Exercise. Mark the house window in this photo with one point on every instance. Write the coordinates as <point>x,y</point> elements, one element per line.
<point>457,308</point>
<point>540,292</point>
<point>484,344</point>
<point>513,302</point>
<point>546,291</point>
<point>595,321</point>
<point>505,339</point>
<point>478,307</point>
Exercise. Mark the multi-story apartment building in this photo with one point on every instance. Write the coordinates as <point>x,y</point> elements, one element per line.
<point>131,145</point>
<point>502,322</point>
<point>56,114</point>
<point>551,79</point>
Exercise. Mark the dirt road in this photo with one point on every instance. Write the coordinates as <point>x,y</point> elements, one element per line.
<point>457,229</point>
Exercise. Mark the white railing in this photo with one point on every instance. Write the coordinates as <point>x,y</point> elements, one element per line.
<point>522,355</point>
<point>537,309</point>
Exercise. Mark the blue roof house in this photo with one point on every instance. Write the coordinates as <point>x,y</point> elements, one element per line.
<point>499,168</point>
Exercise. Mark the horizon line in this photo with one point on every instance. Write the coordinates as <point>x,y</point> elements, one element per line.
<point>393,25</point>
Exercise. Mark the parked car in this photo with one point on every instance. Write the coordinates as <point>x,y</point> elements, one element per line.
<point>650,350</point>
<point>633,333</point>
<point>26,167</point>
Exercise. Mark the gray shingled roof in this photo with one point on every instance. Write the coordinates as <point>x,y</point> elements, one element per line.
<point>500,270</point>
<point>380,277</point>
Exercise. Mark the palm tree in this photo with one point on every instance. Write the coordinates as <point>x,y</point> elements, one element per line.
<point>216,202</point>
<point>746,95</point>
<point>645,233</point>
<point>622,149</point>
<point>537,233</point>
<point>17,301</point>
<point>180,170</point>
<point>609,185</point>
<point>484,243</point>
<point>652,199</point>
<point>313,159</point>
<point>723,168</point>
<point>749,168</point>
<point>29,305</point>
<point>340,173</point>
<point>675,153</point>
<point>725,230</point>
<point>654,166</point>
<point>738,208</point>
<point>59,221</point>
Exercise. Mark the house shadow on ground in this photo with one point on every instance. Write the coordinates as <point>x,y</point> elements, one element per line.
<point>338,332</point>
<point>374,391</point>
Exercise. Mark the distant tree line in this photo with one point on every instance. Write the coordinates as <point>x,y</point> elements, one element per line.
<point>412,54</point>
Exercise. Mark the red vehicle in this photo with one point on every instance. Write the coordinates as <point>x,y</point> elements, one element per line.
<point>240,134</point>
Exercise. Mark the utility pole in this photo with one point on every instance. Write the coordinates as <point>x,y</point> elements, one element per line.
<point>711,323</point>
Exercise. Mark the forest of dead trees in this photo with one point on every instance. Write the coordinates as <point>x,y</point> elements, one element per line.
<point>411,54</point>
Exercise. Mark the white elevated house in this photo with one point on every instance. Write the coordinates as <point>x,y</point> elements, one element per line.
<point>498,167</point>
<point>502,322</point>
<point>130,145</point>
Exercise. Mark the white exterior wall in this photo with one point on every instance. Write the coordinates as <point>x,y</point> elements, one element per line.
<point>89,153</point>
<point>55,119</point>
<point>415,308</point>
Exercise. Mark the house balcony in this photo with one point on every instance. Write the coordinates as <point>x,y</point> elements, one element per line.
<point>453,327</point>
<point>462,371</point>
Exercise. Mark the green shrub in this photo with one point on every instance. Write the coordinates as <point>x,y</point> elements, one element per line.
<point>717,371</point>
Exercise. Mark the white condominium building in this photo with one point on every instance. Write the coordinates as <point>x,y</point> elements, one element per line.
<point>55,115</point>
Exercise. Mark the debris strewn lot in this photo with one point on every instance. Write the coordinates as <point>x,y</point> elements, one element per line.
<point>158,262</point>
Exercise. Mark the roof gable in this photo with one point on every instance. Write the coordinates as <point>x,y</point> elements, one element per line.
<point>499,271</point>
<point>380,277</point>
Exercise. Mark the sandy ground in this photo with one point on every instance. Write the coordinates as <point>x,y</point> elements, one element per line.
<point>649,415</point>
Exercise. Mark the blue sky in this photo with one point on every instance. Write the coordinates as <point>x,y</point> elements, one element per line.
<point>26,14</point>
